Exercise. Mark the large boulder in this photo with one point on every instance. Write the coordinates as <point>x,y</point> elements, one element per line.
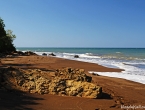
<point>67,81</point>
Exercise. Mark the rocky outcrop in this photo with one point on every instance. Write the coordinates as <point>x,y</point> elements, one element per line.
<point>67,81</point>
<point>27,53</point>
<point>17,53</point>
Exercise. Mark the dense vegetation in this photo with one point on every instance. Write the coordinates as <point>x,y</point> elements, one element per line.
<point>6,39</point>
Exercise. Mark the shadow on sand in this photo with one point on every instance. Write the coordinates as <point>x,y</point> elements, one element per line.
<point>106,96</point>
<point>16,100</point>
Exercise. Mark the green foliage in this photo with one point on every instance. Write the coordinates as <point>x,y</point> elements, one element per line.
<point>6,39</point>
<point>10,35</point>
<point>2,31</point>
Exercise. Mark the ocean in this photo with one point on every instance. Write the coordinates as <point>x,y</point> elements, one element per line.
<point>132,60</point>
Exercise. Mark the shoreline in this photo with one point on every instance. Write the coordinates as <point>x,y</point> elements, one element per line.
<point>56,62</point>
<point>125,59</point>
<point>109,71</point>
<point>116,91</point>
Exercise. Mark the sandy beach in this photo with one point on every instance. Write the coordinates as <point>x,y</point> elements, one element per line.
<point>116,92</point>
<point>72,55</point>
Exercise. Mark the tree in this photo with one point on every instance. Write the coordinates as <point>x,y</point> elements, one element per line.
<point>10,35</point>
<point>6,39</point>
<point>2,31</point>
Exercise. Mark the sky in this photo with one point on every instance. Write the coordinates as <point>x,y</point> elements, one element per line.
<point>75,23</point>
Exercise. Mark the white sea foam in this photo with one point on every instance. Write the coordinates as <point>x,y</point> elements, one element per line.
<point>88,56</point>
<point>134,70</point>
<point>118,52</point>
<point>131,77</point>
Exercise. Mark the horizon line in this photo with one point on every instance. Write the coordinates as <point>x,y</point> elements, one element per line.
<point>79,47</point>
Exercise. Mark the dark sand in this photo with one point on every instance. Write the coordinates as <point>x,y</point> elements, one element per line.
<point>116,92</point>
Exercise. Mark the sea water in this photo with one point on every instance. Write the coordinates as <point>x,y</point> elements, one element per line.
<point>131,60</point>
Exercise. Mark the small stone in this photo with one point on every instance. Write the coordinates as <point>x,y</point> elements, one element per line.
<point>44,54</point>
<point>76,56</point>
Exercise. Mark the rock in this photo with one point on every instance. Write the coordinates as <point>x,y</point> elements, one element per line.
<point>20,53</point>
<point>74,88</point>
<point>52,74</point>
<point>44,54</point>
<point>66,81</point>
<point>76,56</point>
<point>28,53</point>
<point>74,74</point>
<point>52,54</point>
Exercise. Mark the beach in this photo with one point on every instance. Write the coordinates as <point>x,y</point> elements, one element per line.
<point>116,91</point>
<point>72,55</point>
<point>131,60</point>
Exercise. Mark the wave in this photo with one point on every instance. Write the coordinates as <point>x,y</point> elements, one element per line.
<point>89,55</point>
<point>131,77</point>
<point>121,57</point>
<point>118,52</point>
<point>139,65</point>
